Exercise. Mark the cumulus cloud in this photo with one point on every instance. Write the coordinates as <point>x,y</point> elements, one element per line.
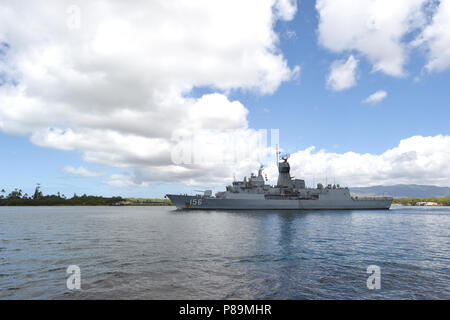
<point>376,97</point>
<point>342,74</point>
<point>418,159</point>
<point>374,28</point>
<point>81,171</point>
<point>116,84</point>
<point>116,81</point>
<point>436,39</point>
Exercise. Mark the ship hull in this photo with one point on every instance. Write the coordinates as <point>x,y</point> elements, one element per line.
<point>187,202</point>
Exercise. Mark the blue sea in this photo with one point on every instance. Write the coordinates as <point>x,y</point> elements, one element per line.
<point>161,253</point>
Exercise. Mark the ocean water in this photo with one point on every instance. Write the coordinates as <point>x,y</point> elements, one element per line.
<point>161,253</point>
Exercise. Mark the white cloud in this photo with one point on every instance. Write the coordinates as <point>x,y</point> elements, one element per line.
<point>342,74</point>
<point>286,9</point>
<point>375,28</point>
<point>436,39</point>
<point>119,87</point>
<point>418,159</point>
<point>124,181</point>
<point>81,171</point>
<point>376,97</point>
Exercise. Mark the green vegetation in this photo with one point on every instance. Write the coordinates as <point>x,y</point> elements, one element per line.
<point>443,201</point>
<point>17,198</point>
<point>148,201</point>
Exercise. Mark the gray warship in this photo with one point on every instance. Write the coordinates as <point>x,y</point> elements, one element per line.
<point>287,194</point>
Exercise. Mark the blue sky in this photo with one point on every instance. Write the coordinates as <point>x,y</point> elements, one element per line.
<point>306,110</point>
<point>309,114</point>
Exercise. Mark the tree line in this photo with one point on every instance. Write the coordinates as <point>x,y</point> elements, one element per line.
<point>16,197</point>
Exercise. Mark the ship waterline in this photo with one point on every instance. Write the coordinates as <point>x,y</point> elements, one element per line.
<point>288,194</point>
<point>200,202</point>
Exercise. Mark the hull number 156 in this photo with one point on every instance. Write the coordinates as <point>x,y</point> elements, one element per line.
<point>196,202</point>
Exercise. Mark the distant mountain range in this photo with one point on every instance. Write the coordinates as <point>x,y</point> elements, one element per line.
<point>403,191</point>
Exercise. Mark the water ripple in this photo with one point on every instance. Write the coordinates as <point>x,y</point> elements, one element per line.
<point>159,253</point>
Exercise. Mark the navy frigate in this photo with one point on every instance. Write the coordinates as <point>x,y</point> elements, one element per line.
<point>287,194</point>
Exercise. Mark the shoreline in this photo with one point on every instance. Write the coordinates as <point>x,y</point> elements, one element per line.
<point>167,205</point>
<point>87,205</point>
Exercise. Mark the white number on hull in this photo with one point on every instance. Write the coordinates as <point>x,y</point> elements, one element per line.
<point>196,202</point>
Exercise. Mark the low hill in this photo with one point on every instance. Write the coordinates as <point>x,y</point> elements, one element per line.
<point>403,191</point>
